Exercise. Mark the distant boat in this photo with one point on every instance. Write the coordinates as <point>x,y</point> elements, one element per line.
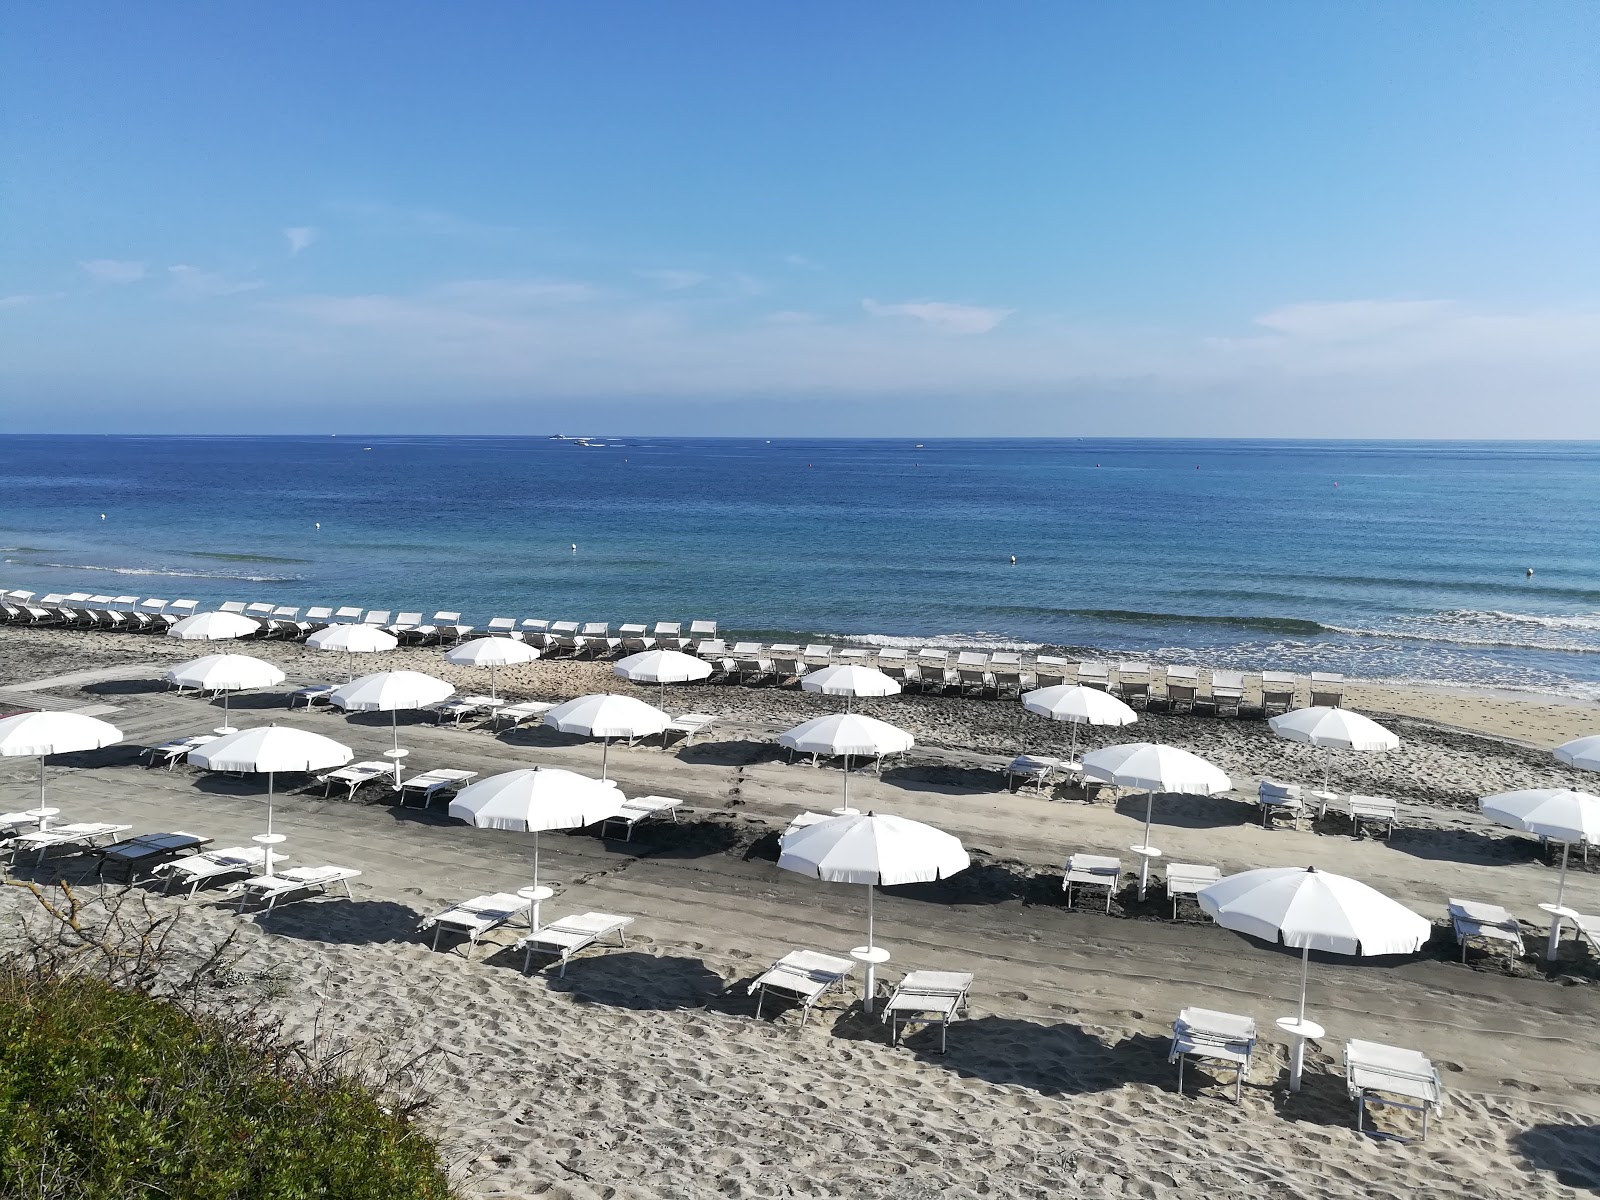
<point>366,447</point>
<point>919,445</point>
<point>556,437</point>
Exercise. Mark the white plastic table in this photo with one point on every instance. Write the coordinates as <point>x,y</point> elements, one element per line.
<point>268,840</point>
<point>1299,1033</point>
<point>1558,913</point>
<point>1145,853</point>
<point>397,755</point>
<point>42,816</point>
<point>870,957</point>
<point>536,896</point>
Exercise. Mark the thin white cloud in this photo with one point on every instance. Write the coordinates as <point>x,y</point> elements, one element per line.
<point>299,237</point>
<point>675,280</point>
<point>949,318</point>
<point>192,283</point>
<point>16,301</point>
<point>1349,320</point>
<point>114,270</point>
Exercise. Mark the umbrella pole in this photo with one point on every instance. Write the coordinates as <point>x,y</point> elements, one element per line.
<point>1305,962</point>
<point>494,690</point>
<point>1143,848</point>
<point>43,820</point>
<point>846,810</point>
<point>871,958</point>
<point>605,757</point>
<point>1555,917</point>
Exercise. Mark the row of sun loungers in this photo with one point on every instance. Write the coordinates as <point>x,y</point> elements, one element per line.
<point>1290,799</point>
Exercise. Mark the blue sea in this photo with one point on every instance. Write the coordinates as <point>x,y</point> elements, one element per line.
<point>1385,560</point>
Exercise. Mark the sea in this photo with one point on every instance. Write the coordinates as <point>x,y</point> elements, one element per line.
<point>1469,564</point>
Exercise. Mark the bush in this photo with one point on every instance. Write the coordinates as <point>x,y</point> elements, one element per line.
<point>110,1091</point>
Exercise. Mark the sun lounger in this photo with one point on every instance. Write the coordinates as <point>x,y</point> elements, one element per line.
<point>536,631</point>
<point>1275,797</point>
<point>259,611</point>
<point>1215,1036</point>
<point>407,628</point>
<point>802,975</point>
<point>13,823</point>
<point>1327,689</point>
<point>1188,879</point>
<point>1092,870</point>
<point>689,725</point>
<point>454,710</point>
<point>1227,692</point>
<point>349,616</point>
<point>1133,684</point>
<point>594,637</point>
<point>670,633</point>
<point>1277,692</point>
<point>1491,924</point>
<point>379,616</point>
<point>568,936</point>
<point>702,631</point>
<point>476,917</point>
<point>927,997</point>
<point>313,694</point>
<point>273,888</point>
<point>933,669</point>
<point>1049,671</point>
<point>236,607</point>
<point>213,864</point>
<point>146,850</point>
<point>1035,769</point>
<point>516,714</point>
<point>1372,1069</point>
<point>168,753</point>
<point>85,835</point>
<point>503,627</point>
<point>443,627</point>
<point>356,774</point>
<point>787,664</point>
<point>1372,809</point>
<point>318,616</point>
<point>1095,675</point>
<point>440,779</point>
<point>749,663</point>
<point>640,809</point>
<point>1182,688</point>
<point>635,637</point>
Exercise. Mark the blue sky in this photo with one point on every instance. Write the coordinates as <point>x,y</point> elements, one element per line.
<point>1188,219</point>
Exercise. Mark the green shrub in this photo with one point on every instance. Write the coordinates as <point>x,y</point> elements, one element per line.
<point>110,1092</point>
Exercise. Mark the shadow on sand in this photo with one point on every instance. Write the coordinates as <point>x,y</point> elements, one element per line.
<point>1570,1152</point>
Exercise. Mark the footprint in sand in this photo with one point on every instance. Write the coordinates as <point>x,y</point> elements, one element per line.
<point>1023,996</point>
<point>735,953</point>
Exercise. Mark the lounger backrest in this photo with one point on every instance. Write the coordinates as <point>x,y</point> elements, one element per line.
<point>668,629</point>
<point>232,606</point>
<point>347,614</point>
<point>596,629</point>
<point>258,610</point>
<point>564,627</point>
<point>411,618</point>
<point>747,647</point>
<point>319,613</point>
<point>892,654</point>
<point>972,658</point>
<point>77,597</point>
<point>712,646</point>
<point>702,629</point>
<point>631,630</point>
<point>1005,658</point>
<point>378,616</point>
<point>818,651</point>
<point>286,613</point>
<point>1227,680</point>
<point>502,624</point>
<point>534,623</point>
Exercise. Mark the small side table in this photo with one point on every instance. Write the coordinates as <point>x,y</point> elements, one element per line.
<point>846,812</point>
<point>43,815</point>
<point>268,841</point>
<point>870,956</point>
<point>1299,1033</point>
<point>397,755</point>
<point>1558,914</point>
<point>1145,853</point>
<point>538,895</point>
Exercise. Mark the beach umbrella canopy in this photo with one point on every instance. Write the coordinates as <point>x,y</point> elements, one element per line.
<point>1080,706</point>
<point>607,716</point>
<point>535,799</point>
<point>213,627</point>
<point>1153,768</point>
<point>38,734</point>
<point>1333,729</point>
<point>1306,909</point>
<point>662,666</point>
<point>1583,753</point>
<point>391,691</point>
<point>268,751</point>
<point>849,680</point>
<point>1558,813</point>
<point>491,652</point>
<point>878,851</point>
<point>352,640</point>
<point>225,673</point>
<point>849,734</point>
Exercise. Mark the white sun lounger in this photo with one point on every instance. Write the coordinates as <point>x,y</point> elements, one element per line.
<point>313,694</point>
<point>214,864</point>
<point>689,725</point>
<point>639,809</point>
<point>1493,925</point>
<point>568,936</point>
<point>1275,797</point>
<point>1188,879</point>
<point>356,774</point>
<point>1277,692</point>
<point>927,997</point>
<point>516,714</point>
<point>476,917</point>
<point>1217,1036</point>
<point>1036,769</point>
<point>85,835</point>
<point>168,753</point>
<point>273,888</point>
<point>1372,809</point>
<point>1092,870</point>
<point>1227,692</point>
<point>803,975</point>
<point>800,822</point>
<point>1372,1069</point>
<point>440,779</point>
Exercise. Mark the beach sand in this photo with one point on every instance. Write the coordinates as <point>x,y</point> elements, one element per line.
<point>644,1071</point>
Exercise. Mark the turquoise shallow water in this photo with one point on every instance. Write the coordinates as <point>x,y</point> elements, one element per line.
<point>1381,559</point>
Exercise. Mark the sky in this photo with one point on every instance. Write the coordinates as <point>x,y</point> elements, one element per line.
<point>1177,219</point>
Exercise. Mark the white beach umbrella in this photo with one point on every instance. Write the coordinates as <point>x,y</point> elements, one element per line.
<point>1583,753</point>
<point>270,750</point>
<point>491,652</point>
<point>352,640</point>
<point>535,799</point>
<point>662,666</point>
<point>1557,813</point>
<point>213,627</point>
<point>40,734</point>
<point>878,851</point>
<point>225,673</point>
<point>607,716</point>
<point>1306,909</point>
<point>1335,729</point>
<point>391,691</point>
<point>849,680</point>
<point>1080,706</point>
<point>849,734</point>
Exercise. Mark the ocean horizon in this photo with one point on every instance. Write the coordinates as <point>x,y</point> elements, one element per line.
<point>1402,561</point>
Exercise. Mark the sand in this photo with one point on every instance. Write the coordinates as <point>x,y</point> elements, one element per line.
<point>644,1071</point>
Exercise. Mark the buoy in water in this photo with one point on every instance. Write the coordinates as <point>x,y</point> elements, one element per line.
<point>103,517</point>
<point>318,524</point>
<point>1013,560</point>
<point>574,547</point>
<point>1530,572</point>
